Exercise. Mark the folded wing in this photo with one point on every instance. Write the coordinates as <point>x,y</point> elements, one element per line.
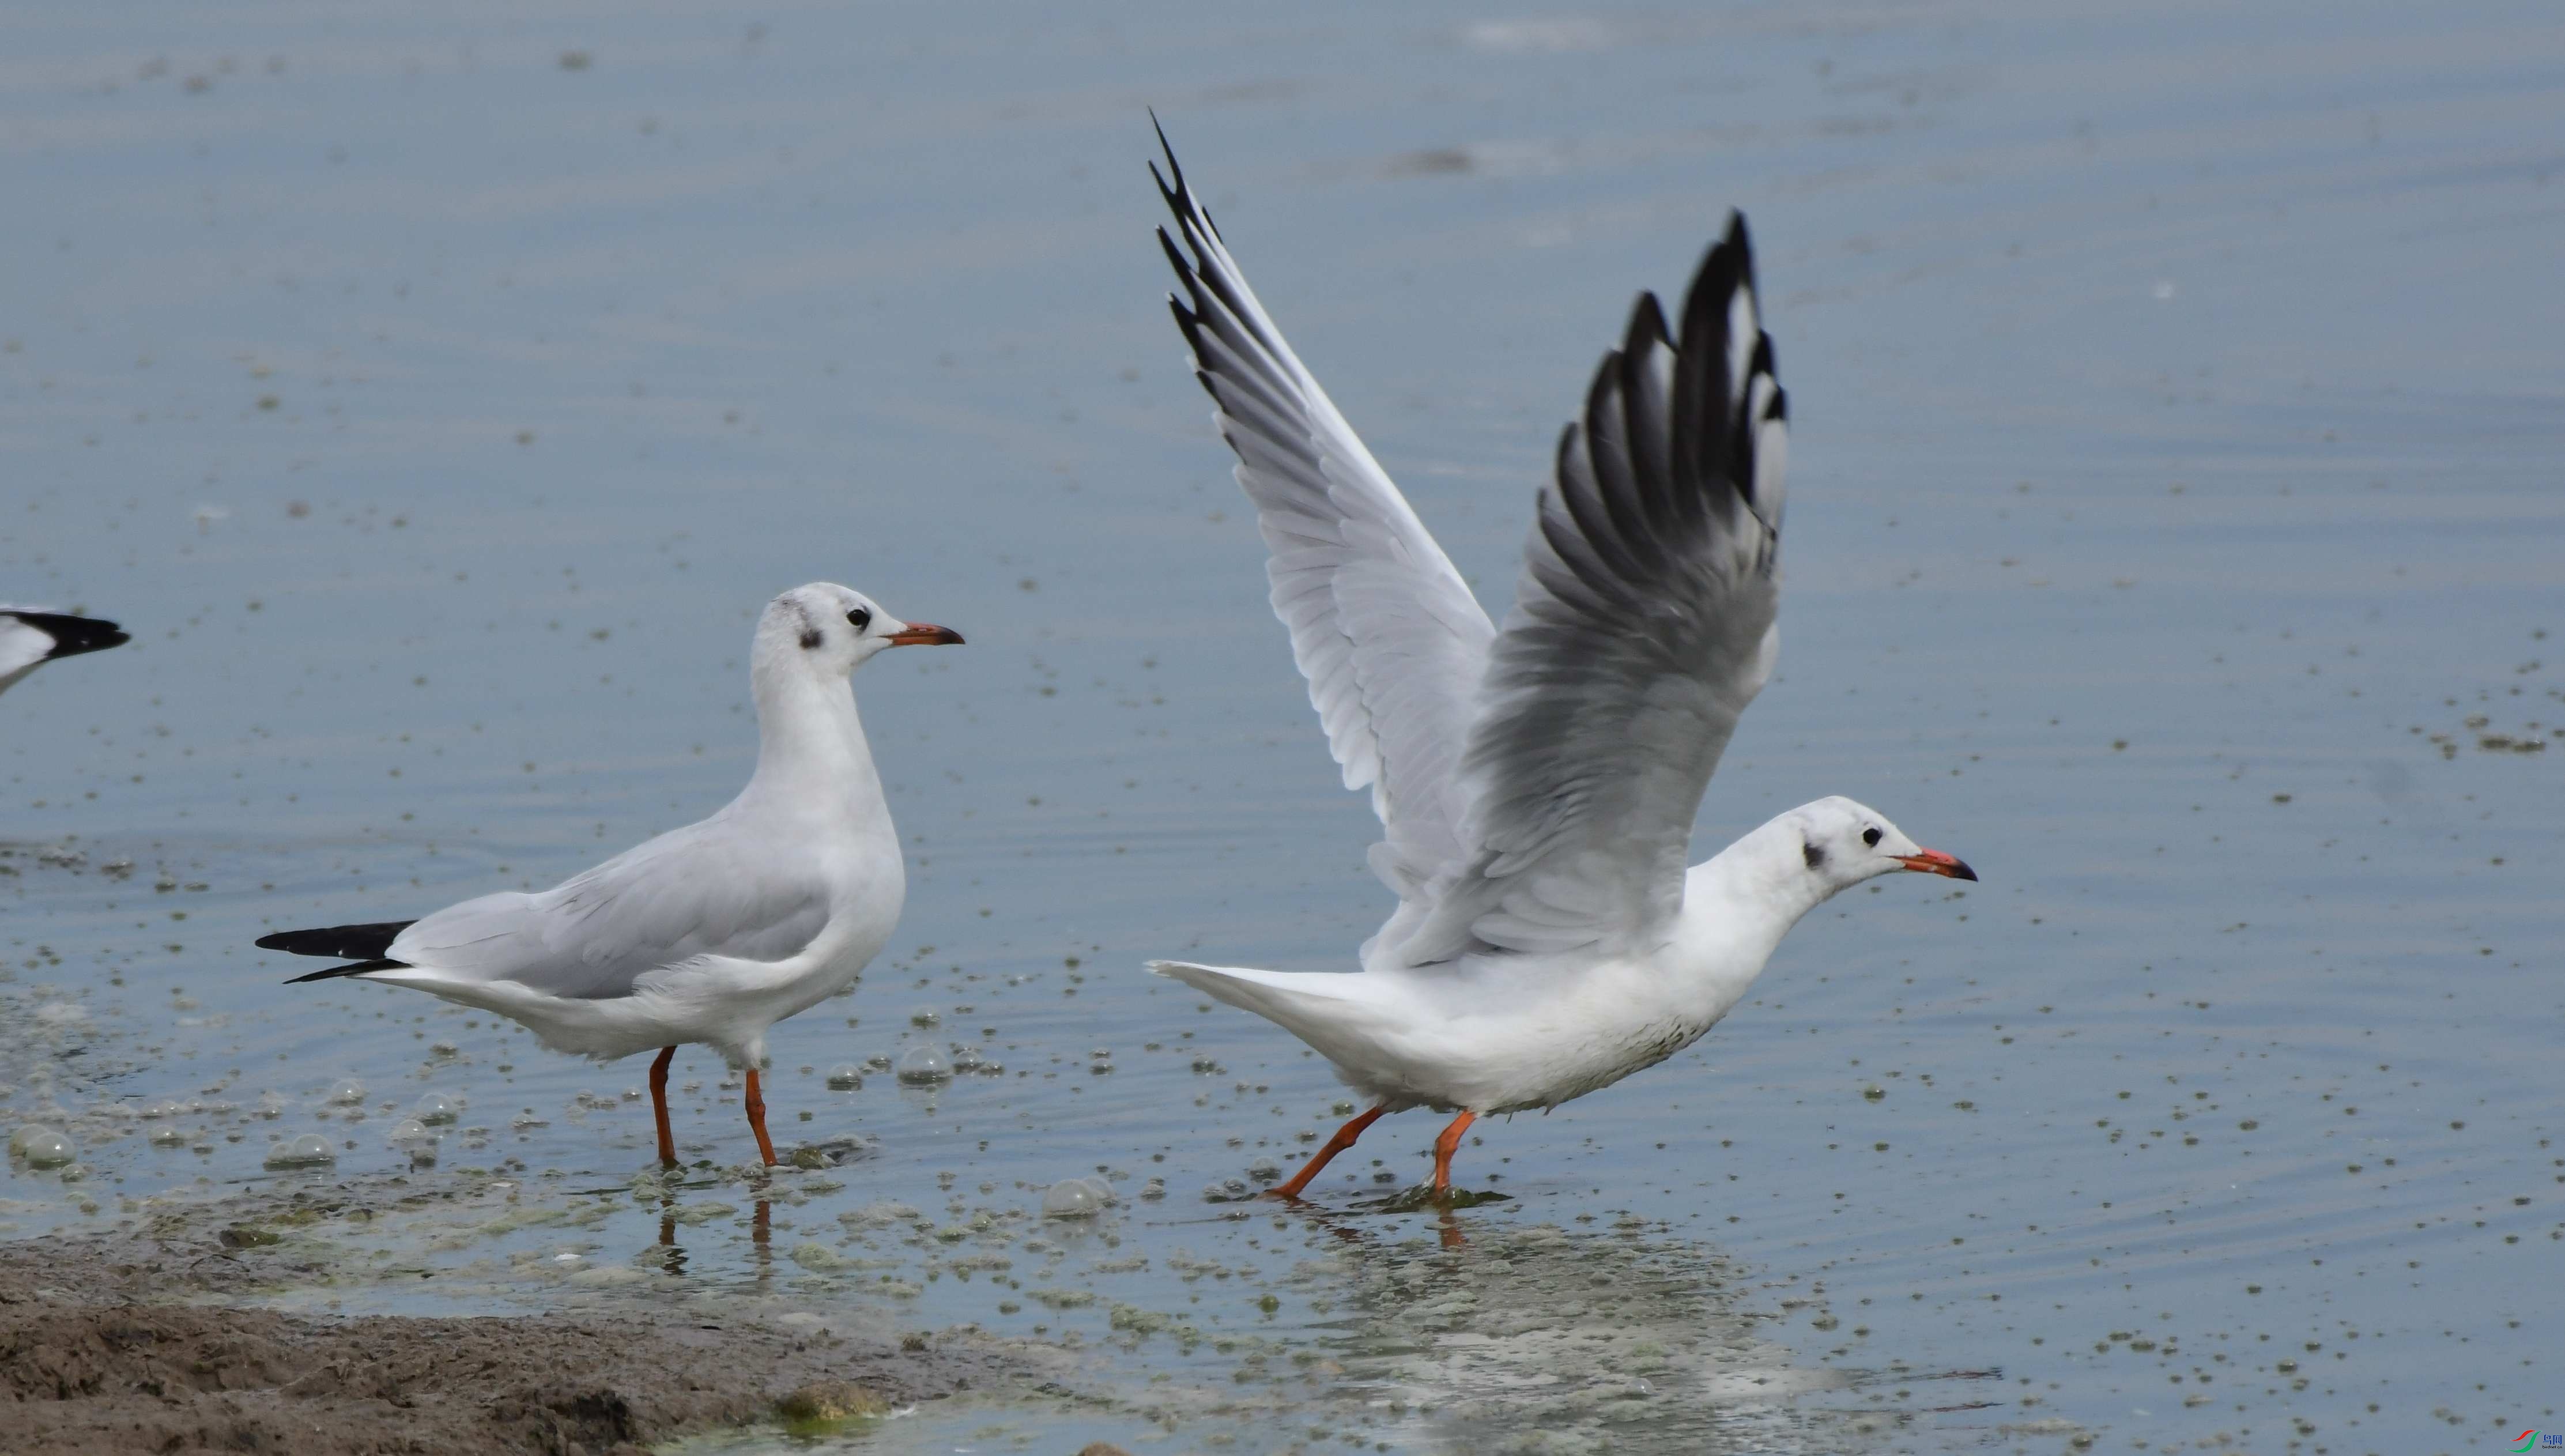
<point>30,639</point>
<point>1392,643</point>
<point>1643,626</point>
<point>678,899</point>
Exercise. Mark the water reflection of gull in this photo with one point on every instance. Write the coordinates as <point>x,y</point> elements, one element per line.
<point>1545,1340</point>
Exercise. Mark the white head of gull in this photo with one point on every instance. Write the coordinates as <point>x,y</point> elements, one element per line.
<point>710,933</point>
<point>1537,786</point>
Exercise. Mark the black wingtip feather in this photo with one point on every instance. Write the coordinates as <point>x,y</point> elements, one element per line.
<point>74,635</point>
<point>342,942</point>
<point>1176,258</point>
<point>1173,190</point>
<point>359,969</point>
<point>1171,185</point>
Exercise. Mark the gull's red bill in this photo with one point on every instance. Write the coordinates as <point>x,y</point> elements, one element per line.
<point>1929,862</point>
<point>925,634</point>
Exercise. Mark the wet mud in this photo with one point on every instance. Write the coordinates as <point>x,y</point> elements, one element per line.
<point>121,1343</point>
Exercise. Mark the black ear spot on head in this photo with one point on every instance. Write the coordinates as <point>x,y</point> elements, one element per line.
<point>1809,851</point>
<point>810,637</point>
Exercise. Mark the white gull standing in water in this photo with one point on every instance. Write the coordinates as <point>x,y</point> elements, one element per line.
<point>710,933</point>
<point>30,639</point>
<point>1537,786</point>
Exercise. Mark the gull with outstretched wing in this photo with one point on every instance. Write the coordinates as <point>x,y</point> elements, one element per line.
<point>1535,784</point>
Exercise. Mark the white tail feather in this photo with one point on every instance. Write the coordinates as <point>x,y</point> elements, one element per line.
<point>1318,1008</point>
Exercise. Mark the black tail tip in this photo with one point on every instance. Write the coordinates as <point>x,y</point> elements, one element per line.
<point>74,635</point>
<point>339,942</point>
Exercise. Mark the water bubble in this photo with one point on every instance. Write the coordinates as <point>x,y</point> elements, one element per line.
<point>877,1061</point>
<point>435,1107</point>
<point>163,1108</point>
<point>271,1105</point>
<point>168,1136</point>
<point>1071,1198</point>
<point>41,1146</point>
<point>923,1066</point>
<point>847,1077</point>
<point>346,1092</point>
<point>1227,1190</point>
<point>924,1018</point>
<point>308,1150</point>
<point>408,1130</point>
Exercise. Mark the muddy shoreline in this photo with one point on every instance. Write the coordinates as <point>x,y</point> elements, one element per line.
<point>123,1342</point>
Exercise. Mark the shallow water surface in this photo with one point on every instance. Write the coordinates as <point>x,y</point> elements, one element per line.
<point>2174,536</point>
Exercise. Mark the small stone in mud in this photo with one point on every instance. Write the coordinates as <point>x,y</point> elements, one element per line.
<point>824,1402</point>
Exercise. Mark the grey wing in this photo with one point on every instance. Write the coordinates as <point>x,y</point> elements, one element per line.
<point>689,894</point>
<point>1385,630</point>
<point>1643,627</point>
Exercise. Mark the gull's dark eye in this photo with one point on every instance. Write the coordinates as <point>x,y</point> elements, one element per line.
<point>859,619</point>
<point>1870,835</point>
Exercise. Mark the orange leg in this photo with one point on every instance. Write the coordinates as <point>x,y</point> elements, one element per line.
<point>1343,1139</point>
<point>1448,1145</point>
<point>659,1106</point>
<point>757,1118</point>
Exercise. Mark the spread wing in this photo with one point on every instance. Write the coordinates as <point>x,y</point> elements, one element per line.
<point>1392,643</point>
<point>689,894</point>
<point>1642,627</point>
